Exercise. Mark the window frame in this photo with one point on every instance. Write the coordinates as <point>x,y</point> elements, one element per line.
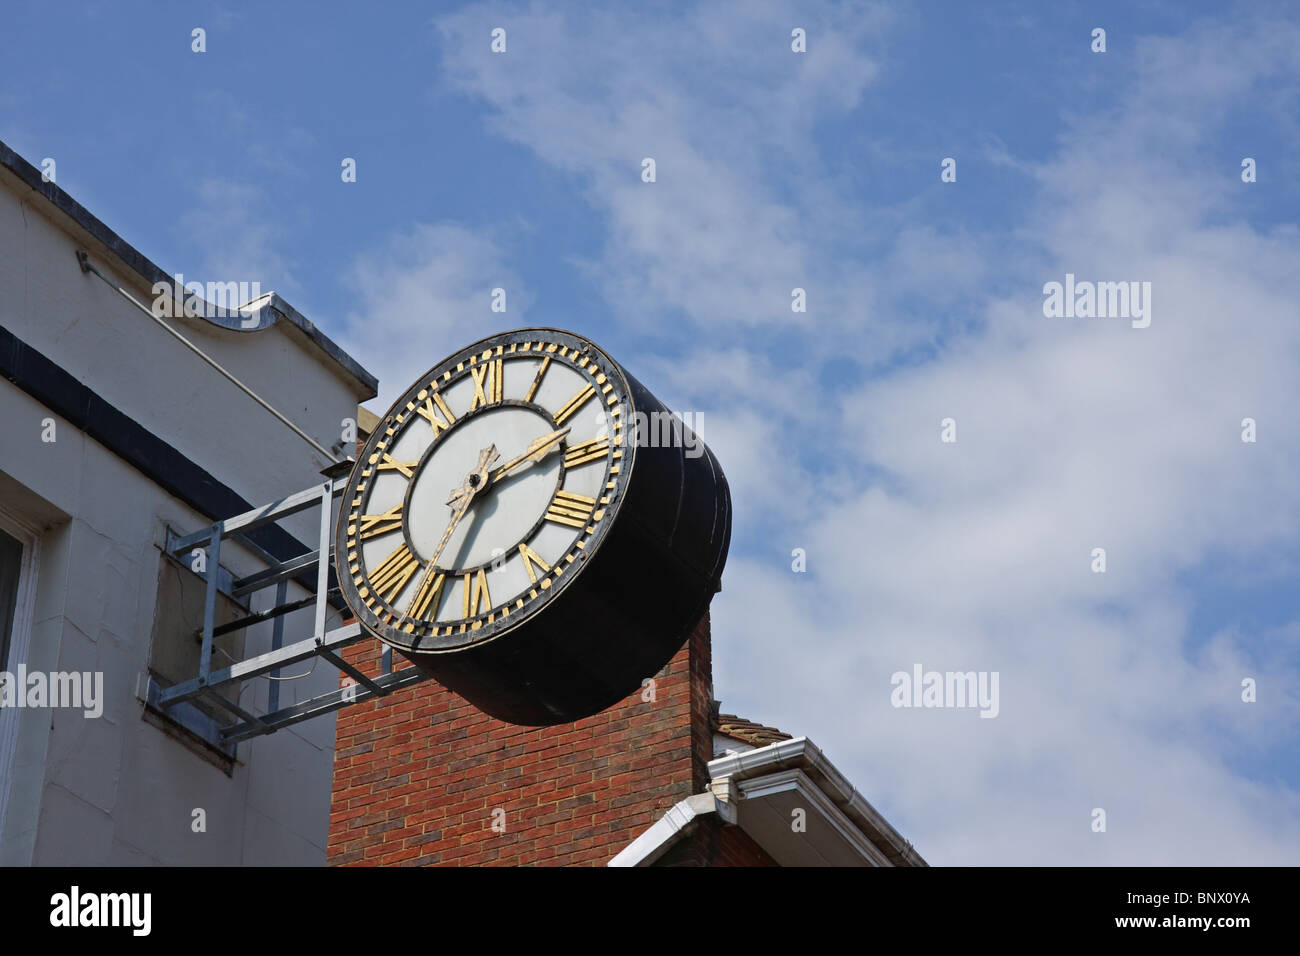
<point>29,538</point>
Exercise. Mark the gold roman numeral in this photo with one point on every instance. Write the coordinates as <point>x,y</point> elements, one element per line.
<point>531,557</point>
<point>427,597</point>
<point>429,412</point>
<point>575,403</point>
<point>487,383</point>
<point>476,594</point>
<point>532,389</point>
<point>586,451</point>
<point>570,509</point>
<point>404,467</point>
<point>393,573</point>
<point>372,526</point>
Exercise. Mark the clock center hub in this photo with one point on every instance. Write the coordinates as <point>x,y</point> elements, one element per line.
<point>503,512</point>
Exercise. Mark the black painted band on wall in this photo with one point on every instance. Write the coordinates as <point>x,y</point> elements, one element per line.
<point>60,392</point>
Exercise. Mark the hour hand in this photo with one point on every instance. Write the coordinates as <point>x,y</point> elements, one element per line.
<point>478,479</point>
<point>536,451</point>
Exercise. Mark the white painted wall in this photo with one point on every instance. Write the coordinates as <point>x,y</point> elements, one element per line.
<point>118,790</point>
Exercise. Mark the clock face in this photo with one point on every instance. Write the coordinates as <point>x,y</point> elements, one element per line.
<point>484,490</point>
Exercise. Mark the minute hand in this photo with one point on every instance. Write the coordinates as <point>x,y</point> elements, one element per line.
<point>460,500</point>
<point>535,452</point>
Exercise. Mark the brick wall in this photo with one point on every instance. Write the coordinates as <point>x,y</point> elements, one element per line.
<point>418,775</point>
<point>735,847</point>
<point>713,843</point>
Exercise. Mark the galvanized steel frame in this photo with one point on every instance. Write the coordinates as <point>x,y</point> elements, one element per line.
<point>175,702</point>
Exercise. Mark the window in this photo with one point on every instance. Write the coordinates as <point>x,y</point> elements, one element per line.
<point>178,633</point>
<point>19,545</point>
<point>11,565</point>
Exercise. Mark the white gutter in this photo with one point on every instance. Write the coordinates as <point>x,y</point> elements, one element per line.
<point>725,773</point>
<point>671,827</point>
<point>801,753</point>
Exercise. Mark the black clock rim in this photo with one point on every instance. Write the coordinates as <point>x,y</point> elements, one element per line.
<point>421,644</point>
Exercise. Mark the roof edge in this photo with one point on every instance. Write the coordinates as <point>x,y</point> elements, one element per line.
<point>152,273</point>
<point>660,836</point>
<point>803,754</point>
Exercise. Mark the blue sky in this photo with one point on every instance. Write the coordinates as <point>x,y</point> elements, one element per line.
<point>821,170</point>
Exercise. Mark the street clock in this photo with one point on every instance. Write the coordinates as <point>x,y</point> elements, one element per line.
<point>514,528</point>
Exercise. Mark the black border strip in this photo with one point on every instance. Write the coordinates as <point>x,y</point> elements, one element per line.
<point>60,392</point>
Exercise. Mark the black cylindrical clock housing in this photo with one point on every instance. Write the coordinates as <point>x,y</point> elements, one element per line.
<point>634,598</point>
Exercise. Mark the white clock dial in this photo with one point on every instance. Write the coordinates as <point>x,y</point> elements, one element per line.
<point>428,563</point>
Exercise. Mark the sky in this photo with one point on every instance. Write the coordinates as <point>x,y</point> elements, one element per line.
<point>1119,690</point>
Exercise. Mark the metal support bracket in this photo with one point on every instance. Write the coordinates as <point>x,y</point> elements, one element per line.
<point>176,701</point>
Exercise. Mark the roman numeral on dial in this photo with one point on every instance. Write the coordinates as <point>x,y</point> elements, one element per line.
<point>586,451</point>
<point>394,572</point>
<point>575,403</point>
<point>427,597</point>
<point>374,525</point>
<point>406,468</point>
<point>487,383</point>
<point>531,557</point>
<point>532,389</point>
<point>476,594</point>
<point>570,509</point>
<point>431,413</point>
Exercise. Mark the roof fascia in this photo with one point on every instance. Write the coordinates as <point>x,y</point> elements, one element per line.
<point>802,754</point>
<point>271,304</point>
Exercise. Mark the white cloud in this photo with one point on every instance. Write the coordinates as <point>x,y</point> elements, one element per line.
<point>237,238</point>
<point>724,108</point>
<point>428,293</point>
<point>1073,434</point>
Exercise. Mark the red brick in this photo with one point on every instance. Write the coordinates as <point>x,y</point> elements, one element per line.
<point>417,776</point>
